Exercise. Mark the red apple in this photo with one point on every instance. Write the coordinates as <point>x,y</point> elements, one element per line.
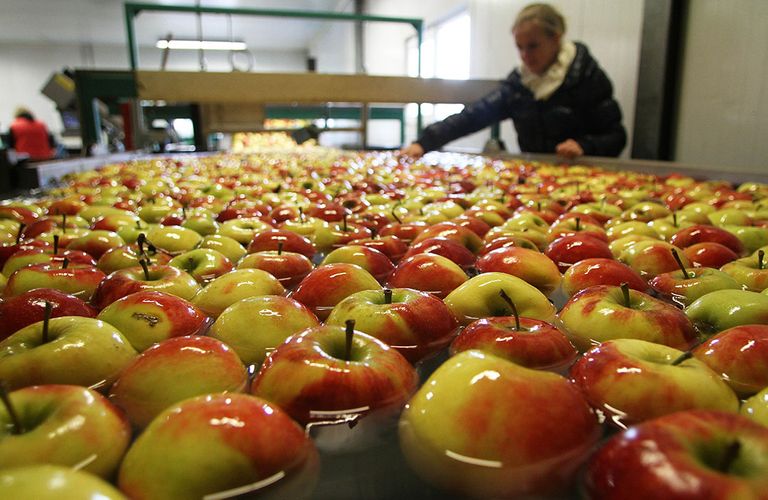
<point>157,277</point>
<point>272,239</point>
<point>592,272</point>
<point>709,254</point>
<point>29,307</point>
<point>569,250</point>
<point>531,266</point>
<point>429,273</point>
<point>700,233</point>
<point>449,249</point>
<point>328,285</point>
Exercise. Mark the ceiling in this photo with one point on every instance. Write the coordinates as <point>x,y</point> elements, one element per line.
<point>102,22</point>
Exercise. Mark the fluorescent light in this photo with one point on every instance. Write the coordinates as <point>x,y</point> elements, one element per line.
<point>197,45</point>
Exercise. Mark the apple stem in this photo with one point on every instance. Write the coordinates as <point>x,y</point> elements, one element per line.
<point>65,263</point>
<point>138,224</point>
<point>279,248</point>
<point>55,244</point>
<point>521,180</point>
<point>511,304</point>
<point>301,215</point>
<point>578,224</point>
<point>761,259</point>
<point>682,357</point>
<point>143,264</point>
<point>680,264</point>
<point>20,232</point>
<point>46,320</point>
<point>183,212</point>
<point>387,296</point>
<point>578,188</point>
<point>344,223</point>
<point>674,219</point>
<point>63,223</point>
<point>374,232</point>
<point>625,293</point>
<point>394,215</point>
<point>140,240</point>
<point>538,206</point>
<point>350,324</point>
<point>730,455</point>
<point>18,428</point>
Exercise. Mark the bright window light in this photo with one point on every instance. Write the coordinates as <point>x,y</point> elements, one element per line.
<point>198,44</point>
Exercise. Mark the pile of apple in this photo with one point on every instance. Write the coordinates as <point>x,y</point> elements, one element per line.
<point>182,327</point>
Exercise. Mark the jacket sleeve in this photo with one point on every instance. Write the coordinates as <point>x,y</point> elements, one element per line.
<point>474,117</point>
<point>605,135</point>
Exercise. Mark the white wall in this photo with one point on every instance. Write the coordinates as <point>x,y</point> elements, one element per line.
<point>26,68</point>
<point>723,114</point>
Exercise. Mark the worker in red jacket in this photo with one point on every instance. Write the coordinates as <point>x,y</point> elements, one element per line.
<point>31,136</point>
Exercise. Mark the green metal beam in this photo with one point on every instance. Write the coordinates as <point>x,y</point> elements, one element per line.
<point>105,85</point>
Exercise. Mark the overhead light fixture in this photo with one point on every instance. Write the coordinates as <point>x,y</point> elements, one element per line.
<point>200,45</point>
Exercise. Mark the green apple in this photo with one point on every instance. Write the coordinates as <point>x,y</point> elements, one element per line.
<point>64,425</point>
<point>229,247</point>
<point>201,224</point>
<point>756,407</point>
<point>243,229</point>
<point>485,427</point>
<point>233,286</point>
<point>253,327</point>
<point>751,272</point>
<point>203,264</point>
<point>173,239</point>
<point>723,309</point>
<point>54,482</point>
<point>69,350</point>
<point>479,297</point>
<point>752,237</point>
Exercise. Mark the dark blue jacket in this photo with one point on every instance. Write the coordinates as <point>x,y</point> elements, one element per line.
<point>582,108</point>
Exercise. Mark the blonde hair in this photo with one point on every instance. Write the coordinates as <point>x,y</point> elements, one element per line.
<point>544,15</point>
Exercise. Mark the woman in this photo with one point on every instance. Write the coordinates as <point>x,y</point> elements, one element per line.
<point>560,100</point>
<point>31,136</point>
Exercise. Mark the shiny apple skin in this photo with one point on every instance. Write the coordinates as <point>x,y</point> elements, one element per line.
<point>723,309</point>
<point>701,233</point>
<point>54,482</point>
<point>216,443</point>
<point>370,259</point>
<point>593,272</point>
<point>598,314</point>
<point>328,285</point>
<point>272,238</point>
<point>531,266</point>
<point>538,344</point>
<point>29,307</point>
<point>651,258</point>
<point>431,273</point>
<point>452,231</point>
<point>571,249</point>
<point>162,278</point>
<point>740,356</point>
<point>33,256</point>
<point>174,370</point>
<point>415,323</point>
<point>229,288</point>
<point>673,287</point>
<point>305,377</point>
<point>148,317</point>
<point>631,381</point>
<point>391,246</point>
<point>288,267</point>
<point>709,254</point>
<point>466,432</point>
<point>665,458</point>
<point>96,243</point>
<point>82,282</point>
<point>445,247</point>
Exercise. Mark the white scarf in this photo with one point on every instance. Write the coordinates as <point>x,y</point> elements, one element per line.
<point>545,85</point>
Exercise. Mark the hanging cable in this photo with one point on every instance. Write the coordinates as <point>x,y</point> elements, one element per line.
<point>201,52</point>
<point>249,57</point>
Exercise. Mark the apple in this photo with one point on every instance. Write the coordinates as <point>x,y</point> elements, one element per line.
<point>730,216</point>
<point>391,246</point>
<point>54,482</point>
<point>253,327</point>
<point>708,254</point>
<point>724,309</point>
<point>96,242</point>
<point>414,323</point>
<point>66,350</point>
<point>220,445</point>
<point>157,277</point>
<point>449,249</point>
<point>203,264</point>
<point>528,342</point>
<point>174,370</point>
<point>428,272</point>
<point>173,239</point>
<point>272,239</point>
<point>607,312</point>
<point>531,266</point>
<point>244,229</point>
<point>738,354</point>
<point>485,427</point>
<point>630,228</point>
<point>328,285</point>
<point>507,241</point>
<point>148,317</point>
<point>452,231</point>
<point>618,246</point>
<point>645,211</point>
<point>631,381</point>
<point>201,224</point>
<point>337,234</point>
<point>592,272</point>
<point>46,255</point>
<point>479,298</point>
<point>29,307</point>
<point>568,250</point>
<point>126,256</point>
<point>370,259</point>
<point>80,281</point>
<point>651,258</point>
<point>233,286</point>
<point>686,285</point>
<point>575,225</point>
<point>702,233</point>
<point>330,373</point>
<point>704,454</point>
<point>288,267</point>
<point>407,231</point>
<point>756,407</point>
<point>115,221</point>
<point>752,237</point>
<point>62,425</point>
<point>230,247</point>
<point>750,272</point>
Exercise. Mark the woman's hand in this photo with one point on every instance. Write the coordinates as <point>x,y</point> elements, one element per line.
<point>413,150</point>
<point>569,149</point>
